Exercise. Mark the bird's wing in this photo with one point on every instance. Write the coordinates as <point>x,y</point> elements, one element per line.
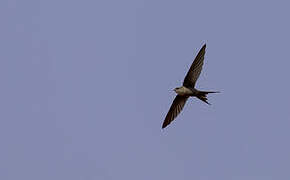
<point>175,109</point>
<point>195,69</point>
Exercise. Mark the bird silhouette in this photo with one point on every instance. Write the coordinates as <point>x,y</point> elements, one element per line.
<point>188,89</point>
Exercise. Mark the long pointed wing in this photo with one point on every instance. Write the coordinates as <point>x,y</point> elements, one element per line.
<point>195,69</point>
<point>175,109</point>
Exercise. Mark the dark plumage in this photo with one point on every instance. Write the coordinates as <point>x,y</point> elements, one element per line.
<point>188,89</point>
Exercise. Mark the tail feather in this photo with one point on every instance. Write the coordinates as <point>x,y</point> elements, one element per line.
<point>203,95</point>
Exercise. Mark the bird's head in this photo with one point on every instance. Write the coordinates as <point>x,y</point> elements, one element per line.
<point>177,90</point>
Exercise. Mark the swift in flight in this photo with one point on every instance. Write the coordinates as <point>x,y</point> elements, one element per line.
<point>188,89</point>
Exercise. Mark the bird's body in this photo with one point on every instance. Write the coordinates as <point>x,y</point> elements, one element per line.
<point>188,89</point>
<point>184,91</point>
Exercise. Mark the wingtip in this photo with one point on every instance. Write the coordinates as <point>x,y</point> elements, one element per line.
<point>164,125</point>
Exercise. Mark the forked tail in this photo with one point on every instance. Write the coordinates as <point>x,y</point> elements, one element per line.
<point>202,95</point>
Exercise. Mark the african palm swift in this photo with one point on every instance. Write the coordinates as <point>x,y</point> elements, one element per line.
<point>188,89</point>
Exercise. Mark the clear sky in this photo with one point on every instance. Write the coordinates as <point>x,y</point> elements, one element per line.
<point>86,85</point>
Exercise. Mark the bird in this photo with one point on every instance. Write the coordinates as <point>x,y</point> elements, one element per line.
<point>188,89</point>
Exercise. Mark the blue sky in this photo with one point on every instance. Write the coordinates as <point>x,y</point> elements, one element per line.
<point>86,85</point>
